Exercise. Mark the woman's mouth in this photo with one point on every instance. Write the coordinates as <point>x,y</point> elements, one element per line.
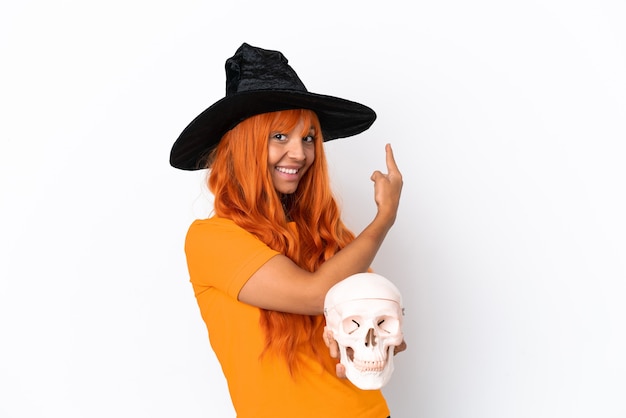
<point>287,170</point>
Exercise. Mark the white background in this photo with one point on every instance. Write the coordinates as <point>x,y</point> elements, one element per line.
<point>509,124</point>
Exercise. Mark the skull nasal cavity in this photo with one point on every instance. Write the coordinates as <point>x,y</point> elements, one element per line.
<point>370,338</point>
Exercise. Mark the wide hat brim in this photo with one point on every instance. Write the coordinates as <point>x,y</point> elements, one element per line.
<point>339,118</point>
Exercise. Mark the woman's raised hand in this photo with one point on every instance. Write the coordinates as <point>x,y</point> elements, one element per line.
<point>387,187</point>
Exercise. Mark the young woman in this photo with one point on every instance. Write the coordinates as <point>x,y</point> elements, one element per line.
<point>261,265</point>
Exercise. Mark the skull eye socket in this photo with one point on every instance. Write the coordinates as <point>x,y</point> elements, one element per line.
<point>388,324</point>
<point>351,324</point>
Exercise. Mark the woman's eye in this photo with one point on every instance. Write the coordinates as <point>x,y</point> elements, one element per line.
<point>309,138</point>
<point>279,137</point>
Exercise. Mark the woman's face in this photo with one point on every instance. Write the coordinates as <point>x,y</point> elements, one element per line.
<point>290,154</point>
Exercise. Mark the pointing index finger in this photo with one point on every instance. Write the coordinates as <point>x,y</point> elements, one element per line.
<point>391,162</point>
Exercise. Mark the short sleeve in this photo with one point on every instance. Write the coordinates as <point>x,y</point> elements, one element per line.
<point>223,255</point>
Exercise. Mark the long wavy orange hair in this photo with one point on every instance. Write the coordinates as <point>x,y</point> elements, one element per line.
<point>240,180</point>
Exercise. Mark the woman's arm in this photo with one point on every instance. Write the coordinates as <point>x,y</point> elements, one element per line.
<point>281,285</point>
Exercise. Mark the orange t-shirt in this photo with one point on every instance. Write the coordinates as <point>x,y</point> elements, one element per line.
<point>221,257</point>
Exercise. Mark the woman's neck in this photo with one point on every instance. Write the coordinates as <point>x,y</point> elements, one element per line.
<point>287,201</point>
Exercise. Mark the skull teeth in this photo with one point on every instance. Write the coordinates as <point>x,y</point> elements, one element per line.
<point>368,366</point>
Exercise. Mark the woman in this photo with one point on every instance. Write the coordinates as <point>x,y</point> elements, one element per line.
<point>262,264</point>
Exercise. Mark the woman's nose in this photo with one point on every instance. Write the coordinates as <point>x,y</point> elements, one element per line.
<point>296,149</point>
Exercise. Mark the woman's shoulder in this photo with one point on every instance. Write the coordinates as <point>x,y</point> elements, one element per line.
<point>213,222</point>
<point>218,239</point>
<point>215,227</point>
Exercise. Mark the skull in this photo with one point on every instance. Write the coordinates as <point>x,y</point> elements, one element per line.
<point>364,312</point>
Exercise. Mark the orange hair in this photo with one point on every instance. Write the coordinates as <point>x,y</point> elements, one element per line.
<point>240,180</point>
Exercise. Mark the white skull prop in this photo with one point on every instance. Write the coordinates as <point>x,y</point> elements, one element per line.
<point>364,312</point>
